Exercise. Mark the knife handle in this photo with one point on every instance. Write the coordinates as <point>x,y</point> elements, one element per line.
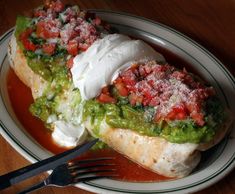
<point>4,184</point>
<point>21,174</point>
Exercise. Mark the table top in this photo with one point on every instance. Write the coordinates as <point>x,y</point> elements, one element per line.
<point>210,23</point>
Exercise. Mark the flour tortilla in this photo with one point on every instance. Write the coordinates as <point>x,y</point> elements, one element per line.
<point>19,64</point>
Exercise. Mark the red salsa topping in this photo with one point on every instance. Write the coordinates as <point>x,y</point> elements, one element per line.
<point>56,27</point>
<point>175,94</point>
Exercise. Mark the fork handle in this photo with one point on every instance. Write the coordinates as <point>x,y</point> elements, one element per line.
<point>34,187</point>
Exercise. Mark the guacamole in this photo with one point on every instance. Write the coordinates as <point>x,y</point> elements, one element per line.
<point>135,118</point>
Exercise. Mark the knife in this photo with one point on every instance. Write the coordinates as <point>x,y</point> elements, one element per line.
<point>21,174</point>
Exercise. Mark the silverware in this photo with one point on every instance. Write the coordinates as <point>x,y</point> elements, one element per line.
<point>74,172</point>
<point>43,165</point>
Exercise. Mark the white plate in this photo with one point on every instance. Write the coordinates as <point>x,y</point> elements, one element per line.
<point>215,164</point>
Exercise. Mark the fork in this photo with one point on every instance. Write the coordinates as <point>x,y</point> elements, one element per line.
<point>77,171</point>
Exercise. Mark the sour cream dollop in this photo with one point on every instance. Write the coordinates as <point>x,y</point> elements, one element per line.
<point>68,135</point>
<point>96,67</point>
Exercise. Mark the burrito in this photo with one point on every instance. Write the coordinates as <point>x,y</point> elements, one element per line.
<point>88,81</point>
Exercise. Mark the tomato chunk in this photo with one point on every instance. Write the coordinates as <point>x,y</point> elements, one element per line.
<point>47,29</point>
<point>104,98</point>
<point>198,118</point>
<point>122,90</point>
<point>69,63</point>
<point>58,6</point>
<point>135,99</point>
<point>83,46</point>
<point>24,37</point>
<point>72,47</point>
<point>39,13</point>
<point>105,90</point>
<point>49,48</point>
<point>28,45</point>
<point>129,78</point>
<point>178,112</point>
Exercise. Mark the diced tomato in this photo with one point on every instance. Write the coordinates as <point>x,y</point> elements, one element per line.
<point>179,108</point>
<point>159,68</point>
<point>171,115</point>
<point>91,39</point>
<point>83,46</point>
<point>47,29</point>
<point>198,118</point>
<point>134,99</point>
<point>104,98</point>
<point>68,33</point>
<point>58,6</point>
<point>40,31</point>
<point>105,90</point>
<point>28,45</point>
<point>118,80</point>
<point>154,101</point>
<point>144,70</point>
<point>193,106</point>
<point>39,13</point>
<point>194,109</point>
<point>181,116</point>
<point>145,89</point>
<point>122,90</point>
<point>178,112</point>
<point>69,63</point>
<point>129,78</point>
<point>146,101</point>
<point>49,48</point>
<point>72,47</point>
<point>179,75</point>
<point>24,37</point>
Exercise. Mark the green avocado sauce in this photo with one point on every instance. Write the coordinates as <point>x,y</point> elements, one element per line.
<point>135,118</point>
<point>22,23</point>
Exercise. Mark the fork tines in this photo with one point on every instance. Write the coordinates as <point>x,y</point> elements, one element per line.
<point>92,160</point>
<point>89,169</point>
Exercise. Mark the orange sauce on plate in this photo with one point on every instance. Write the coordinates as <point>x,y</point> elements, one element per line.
<point>21,98</point>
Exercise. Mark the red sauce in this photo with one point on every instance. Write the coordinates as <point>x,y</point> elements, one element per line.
<point>21,98</point>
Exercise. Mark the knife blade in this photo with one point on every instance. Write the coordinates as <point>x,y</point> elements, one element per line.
<point>21,174</point>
